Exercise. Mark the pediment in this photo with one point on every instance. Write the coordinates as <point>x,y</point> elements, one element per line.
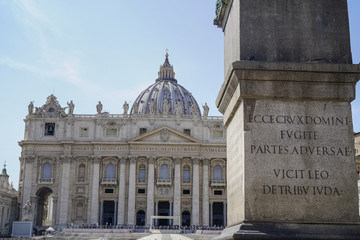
<point>164,134</point>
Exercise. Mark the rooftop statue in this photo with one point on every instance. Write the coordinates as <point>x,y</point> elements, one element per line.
<point>71,106</point>
<point>99,107</point>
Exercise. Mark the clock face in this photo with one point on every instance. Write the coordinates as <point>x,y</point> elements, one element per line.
<point>51,110</point>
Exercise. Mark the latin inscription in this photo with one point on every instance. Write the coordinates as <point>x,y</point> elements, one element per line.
<point>147,148</point>
<point>305,142</point>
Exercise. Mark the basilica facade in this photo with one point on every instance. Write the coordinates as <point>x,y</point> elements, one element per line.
<point>161,157</point>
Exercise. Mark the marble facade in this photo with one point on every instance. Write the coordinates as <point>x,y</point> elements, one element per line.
<point>121,169</point>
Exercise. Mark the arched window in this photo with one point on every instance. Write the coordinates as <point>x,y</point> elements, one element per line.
<point>186,173</point>
<point>46,171</point>
<point>142,173</point>
<point>110,171</point>
<point>217,172</point>
<point>81,172</point>
<point>79,210</point>
<point>164,171</point>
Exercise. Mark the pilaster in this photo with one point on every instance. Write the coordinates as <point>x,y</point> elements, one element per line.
<point>64,189</point>
<point>205,194</point>
<point>131,195</point>
<point>195,195</point>
<point>94,213</point>
<point>122,180</point>
<point>150,190</point>
<point>177,187</point>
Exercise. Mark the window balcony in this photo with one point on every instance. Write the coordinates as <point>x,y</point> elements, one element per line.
<point>46,181</point>
<point>163,182</point>
<point>106,181</point>
<point>187,182</point>
<point>141,180</point>
<point>217,183</point>
<point>81,179</point>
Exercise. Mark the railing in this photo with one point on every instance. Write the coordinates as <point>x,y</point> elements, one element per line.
<point>163,182</point>
<point>81,180</point>
<point>186,181</point>
<point>46,181</point>
<point>106,181</point>
<point>218,183</point>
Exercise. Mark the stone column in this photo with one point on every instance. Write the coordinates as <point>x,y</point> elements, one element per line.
<point>170,213</point>
<point>64,190</point>
<point>177,187</point>
<point>121,202</point>
<point>225,214</point>
<point>205,192</point>
<point>101,213</point>
<point>28,180</point>
<point>195,195</point>
<point>54,211</point>
<point>115,213</point>
<point>150,191</point>
<point>211,214</point>
<point>156,212</point>
<point>94,206</point>
<point>131,195</point>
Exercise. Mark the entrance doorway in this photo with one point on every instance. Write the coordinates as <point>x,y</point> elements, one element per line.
<point>163,210</point>
<point>185,219</point>
<point>140,218</point>
<point>44,207</point>
<point>108,213</point>
<point>218,213</point>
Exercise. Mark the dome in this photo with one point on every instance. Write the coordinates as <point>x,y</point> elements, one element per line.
<point>166,96</point>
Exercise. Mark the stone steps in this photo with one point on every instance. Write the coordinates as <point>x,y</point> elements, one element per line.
<point>115,236</point>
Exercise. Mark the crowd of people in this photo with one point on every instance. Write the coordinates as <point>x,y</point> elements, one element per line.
<point>136,228</point>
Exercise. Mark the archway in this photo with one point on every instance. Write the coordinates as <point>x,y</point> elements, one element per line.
<point>44,208</point>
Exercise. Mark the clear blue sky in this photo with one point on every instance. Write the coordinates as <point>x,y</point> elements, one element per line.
<point>111,50</point>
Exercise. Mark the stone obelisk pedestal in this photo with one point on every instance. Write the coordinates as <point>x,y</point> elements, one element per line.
<point>286,102</point>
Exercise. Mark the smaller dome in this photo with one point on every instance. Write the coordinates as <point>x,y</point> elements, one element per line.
<point>166,96</point>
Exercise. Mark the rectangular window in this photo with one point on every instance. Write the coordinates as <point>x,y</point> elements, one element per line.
<point>84,132</point>
<point>142,175</point>
<point>187,131</point>
<point>217,133</point>
<point>141,191</point>
<point>142,130</point>
<point>109,190</point>
<point>111,132</point>
<point>186,176</point>
<point>186,192</point>
<point>49,129</point>
<point>217,192</point>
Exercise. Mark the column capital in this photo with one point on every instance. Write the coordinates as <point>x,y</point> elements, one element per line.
<point>177,160</point>
<point>195,160</point>
<point>66,158</point>
<point>29,159</point>
<point>151,159</point>
<point>122,159</point>
<point>95,159</point>
<point>133,159</point>
<point>206,161</point>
